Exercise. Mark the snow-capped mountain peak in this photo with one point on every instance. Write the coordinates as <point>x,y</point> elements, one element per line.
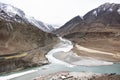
<point>10,10</point>
<point>108,13</point>
<point>11,13</point>
<point>95,13</point>
<point>108,7</point>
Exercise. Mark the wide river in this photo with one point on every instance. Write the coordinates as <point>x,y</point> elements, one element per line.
<point>58,64</point>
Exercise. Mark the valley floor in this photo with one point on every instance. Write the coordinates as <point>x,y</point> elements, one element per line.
<point>97,54</point>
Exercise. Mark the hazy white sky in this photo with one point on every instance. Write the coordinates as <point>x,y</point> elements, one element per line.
<point>56,11</point>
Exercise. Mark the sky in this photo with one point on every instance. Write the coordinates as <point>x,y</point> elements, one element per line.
<point>56,12</point>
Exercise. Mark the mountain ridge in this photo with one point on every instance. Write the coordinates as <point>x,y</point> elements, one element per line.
<point>18,15</point>
<point>104,14</point>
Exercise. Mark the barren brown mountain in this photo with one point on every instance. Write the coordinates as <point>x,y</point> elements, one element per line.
<point>99,30</point>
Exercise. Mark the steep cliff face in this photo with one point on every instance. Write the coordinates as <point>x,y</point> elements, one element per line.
<point>22,44</point>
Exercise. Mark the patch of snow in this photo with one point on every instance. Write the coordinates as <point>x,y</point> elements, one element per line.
<point>46,26</point>
<point>82,17</point>
<point>38,24</point>
<point>104,9</point>
<point>11,9</point>
<point>118,10</point>
<point>111,9</point>
<point>56,26</point>
<point>32,20</point>
<point>43,26</point>
<point>95,13</point>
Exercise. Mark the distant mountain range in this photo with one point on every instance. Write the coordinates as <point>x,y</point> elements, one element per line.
<point>99,29</point>
<point>105,15</point>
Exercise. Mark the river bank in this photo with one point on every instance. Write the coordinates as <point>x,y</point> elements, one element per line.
<point>78,76</point>
<point>32,73</point>
<point>62,58</point>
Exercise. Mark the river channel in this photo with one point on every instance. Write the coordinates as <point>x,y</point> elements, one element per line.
<point>57,65</point>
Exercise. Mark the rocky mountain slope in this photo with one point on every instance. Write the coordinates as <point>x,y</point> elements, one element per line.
<point>108,13</point>
<point>105,15</point>
<point>23,42</point>
<point>99,29</point>
<point>67,27</point>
